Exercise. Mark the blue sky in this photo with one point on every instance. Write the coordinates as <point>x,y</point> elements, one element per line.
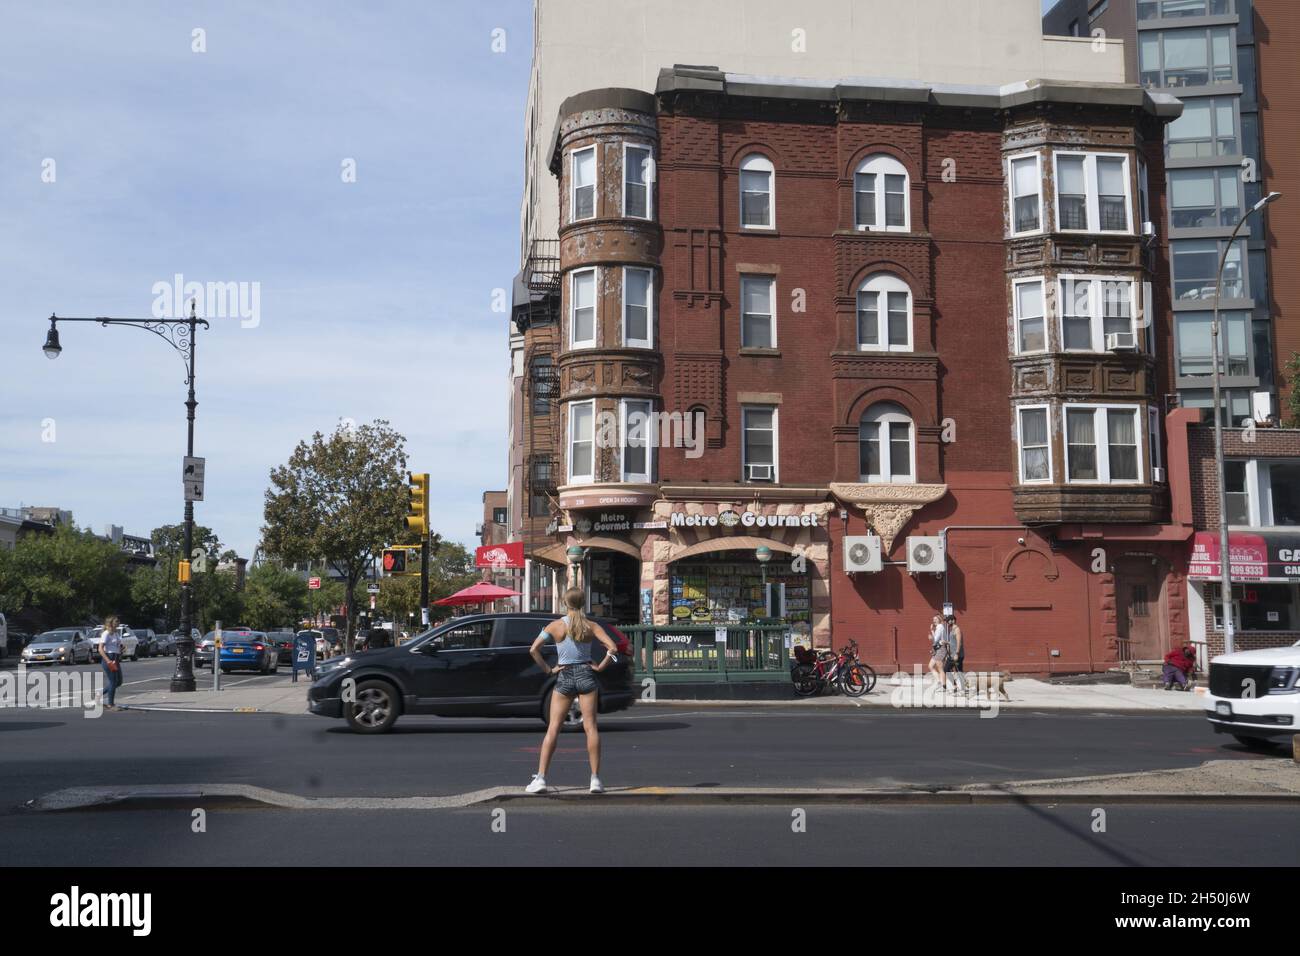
<point>225,166</point>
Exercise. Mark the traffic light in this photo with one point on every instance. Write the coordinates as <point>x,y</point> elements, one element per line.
<point>418,519</point>
<point>394,560</point>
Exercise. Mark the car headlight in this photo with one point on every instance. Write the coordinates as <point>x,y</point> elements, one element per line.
<point>62,650</point>
<point>329,667</point>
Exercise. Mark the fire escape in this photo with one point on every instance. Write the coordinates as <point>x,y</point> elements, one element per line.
<point>537,316</point>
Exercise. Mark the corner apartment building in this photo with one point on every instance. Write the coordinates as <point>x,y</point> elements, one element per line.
<point>580,46</point>
<point>1232,63</point>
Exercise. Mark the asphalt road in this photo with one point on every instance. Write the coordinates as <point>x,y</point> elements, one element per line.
<point>762,836</point>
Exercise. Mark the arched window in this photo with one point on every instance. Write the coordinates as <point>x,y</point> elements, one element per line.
<point>757,192</point>
<point>880,195</point>
<point>886,445</point>
<point>884,314</point>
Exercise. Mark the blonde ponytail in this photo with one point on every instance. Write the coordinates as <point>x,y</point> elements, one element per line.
<point>579,626</point>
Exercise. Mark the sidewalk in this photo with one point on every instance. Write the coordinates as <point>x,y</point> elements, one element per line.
<point>283,697</point>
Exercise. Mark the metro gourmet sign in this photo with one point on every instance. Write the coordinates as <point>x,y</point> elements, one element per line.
<point>744,519</point>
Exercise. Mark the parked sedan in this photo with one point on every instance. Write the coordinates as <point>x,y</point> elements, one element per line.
<point>130,643</point>
<point>474,666</point>
<point>64,646</point>
<point>248,650</point>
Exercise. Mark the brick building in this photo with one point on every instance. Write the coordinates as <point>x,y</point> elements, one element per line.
<point>905,341</point>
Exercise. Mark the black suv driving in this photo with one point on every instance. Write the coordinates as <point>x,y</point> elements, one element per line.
<point>473,666</point>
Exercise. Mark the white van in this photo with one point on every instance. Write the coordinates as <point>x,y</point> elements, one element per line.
<point>1255,695</point>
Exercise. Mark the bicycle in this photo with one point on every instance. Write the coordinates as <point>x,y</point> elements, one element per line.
<point>814,672</point>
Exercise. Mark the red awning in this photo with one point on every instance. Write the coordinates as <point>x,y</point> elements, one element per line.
<point>480,593</point>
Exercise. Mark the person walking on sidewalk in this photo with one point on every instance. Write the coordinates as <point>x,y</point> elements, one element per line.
<point>1180,663</point>
<point>938,649</point>
<point>110,659</point>
<point>572,635</point>
<point>956,654</point>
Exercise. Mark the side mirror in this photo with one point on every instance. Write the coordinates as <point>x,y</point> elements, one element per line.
<point>431,647</point>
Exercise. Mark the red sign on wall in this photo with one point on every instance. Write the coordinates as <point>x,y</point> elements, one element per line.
<point>500,555</point>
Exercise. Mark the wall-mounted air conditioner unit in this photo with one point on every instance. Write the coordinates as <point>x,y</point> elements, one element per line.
<point>925,554</point>
<point>1121,342</point>
<point>861,553</point>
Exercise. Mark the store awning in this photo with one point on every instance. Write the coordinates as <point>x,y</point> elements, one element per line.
<point>1255,556</point>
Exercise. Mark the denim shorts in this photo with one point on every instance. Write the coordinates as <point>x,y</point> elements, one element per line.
<point>576,679</point>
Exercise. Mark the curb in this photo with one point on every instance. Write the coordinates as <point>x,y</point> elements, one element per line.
<point>1013,707</point>
<point>238,796</point>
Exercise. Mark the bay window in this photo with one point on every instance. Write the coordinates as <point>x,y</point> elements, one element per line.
<point>1093,192</point>
<point>1031,332</point>
<point>1093,307</point>
<point>582,309</point>
<point>1025,178</point>
<point>1102,444</point>
<point>582,442</point>
<point>583,201</point>
<point>637,445</point>
<point>1035,444</point>
<point>638,308</point>
<point>637,180</point>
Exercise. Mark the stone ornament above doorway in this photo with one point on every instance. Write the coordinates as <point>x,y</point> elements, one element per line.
<point>887,507</point>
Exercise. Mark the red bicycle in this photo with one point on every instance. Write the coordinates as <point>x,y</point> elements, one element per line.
<point>815,671</point>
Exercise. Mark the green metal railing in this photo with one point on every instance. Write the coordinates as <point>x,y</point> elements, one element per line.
<point>695,652</point>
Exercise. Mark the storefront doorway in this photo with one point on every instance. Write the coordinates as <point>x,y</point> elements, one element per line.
<point>614,587</point>
<point>726,587</point>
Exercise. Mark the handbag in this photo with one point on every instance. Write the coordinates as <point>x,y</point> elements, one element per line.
<point>112,665</point>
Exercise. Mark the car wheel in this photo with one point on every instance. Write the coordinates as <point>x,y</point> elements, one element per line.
<point>572,720</point>
<point>1254,743</point>
<point>375,710</point>
<point>225,670</point>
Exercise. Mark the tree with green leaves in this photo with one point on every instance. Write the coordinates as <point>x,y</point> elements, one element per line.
<point>326,599</point>
<point>1292,369</point>
<point>155,592</point>
<point>67,576</point>
<point>340,498</point>
<point>274,598</point>
<point>451,569</point>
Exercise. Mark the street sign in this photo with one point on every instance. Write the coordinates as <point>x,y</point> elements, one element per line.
<point>313,584</point>
<point>192,477</point>
<point>372,589</point>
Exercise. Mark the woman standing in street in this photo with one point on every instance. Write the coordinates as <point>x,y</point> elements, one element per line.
<point>572,635</point>
<point>110,659</point>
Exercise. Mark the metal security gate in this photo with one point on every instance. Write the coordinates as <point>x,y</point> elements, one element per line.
<point>702,652</point>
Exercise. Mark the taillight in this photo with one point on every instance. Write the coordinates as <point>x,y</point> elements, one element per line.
<point>259,647</point>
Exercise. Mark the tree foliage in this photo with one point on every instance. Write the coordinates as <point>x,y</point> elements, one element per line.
<point>67,576</point>
<point>274,598</point>
<point>340,498</point>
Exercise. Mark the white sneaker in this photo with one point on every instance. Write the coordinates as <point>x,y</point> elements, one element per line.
<point>596,786</point>
<point>536,785</point>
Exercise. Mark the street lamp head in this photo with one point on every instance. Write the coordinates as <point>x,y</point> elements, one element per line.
<point>1271,197</point>
<point>52,347</point>
<point>763,553</point>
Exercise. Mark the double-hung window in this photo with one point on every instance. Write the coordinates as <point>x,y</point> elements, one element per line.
<point>1031,331</point>
<point>880,194</point>
<point>583,172</point>
<point>759,446</point>
<point>638,449</point>
<point>582,442</point>
<point>886,445</point>
<point>757,193</point>
<point>1025,178</point>
<point>582,309</point>
<point>884,314</point>
<point>1093,192</point>
<point>757,312</point>
<point>638,177</point>
<point>1035,444</point>
<point>1102,444</point>
<point>638,308</point>
<point>1093,308</point>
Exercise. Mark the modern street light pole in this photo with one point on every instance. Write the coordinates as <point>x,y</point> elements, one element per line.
<point>180,334</point>
<point>1225,556</point>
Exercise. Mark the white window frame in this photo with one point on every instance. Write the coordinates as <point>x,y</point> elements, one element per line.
<point>594,272</point>
<point>1096,309</point>
<point>648,341</point>
<point>1091,192</point>
<point>573,183</point>
<point>649,182</point>
<point>1101,438</point>
<point>776,441</point>
<point>752,162</point>
<point>771,280</point>
<point>881,165</point>
<point>881,284</point>
<point>1020,444</point>
<point>1041,282</point>
<point>1259,492</point>
<point>624,407</point>
<point>1037,157</point>
<point>589,477</point>
<point>884,419</point>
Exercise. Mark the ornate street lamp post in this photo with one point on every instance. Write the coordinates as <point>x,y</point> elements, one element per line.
<point>1225,556</point>
<point>180,335</point>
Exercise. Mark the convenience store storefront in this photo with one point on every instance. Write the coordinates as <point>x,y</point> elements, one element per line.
<point>1265,571</point>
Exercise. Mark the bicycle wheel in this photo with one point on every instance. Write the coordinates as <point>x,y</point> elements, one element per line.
<point>858,679</point>
<point>805,681</point>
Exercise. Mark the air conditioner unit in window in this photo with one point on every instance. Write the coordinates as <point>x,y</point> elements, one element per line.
<point>861,553</point>
<point>925,554</point>
<point>1121,342</point>
<point>1158,475</point>
<point>758,472</point>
